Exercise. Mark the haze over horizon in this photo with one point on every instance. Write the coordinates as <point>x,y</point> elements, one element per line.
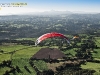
<point>80,6</point>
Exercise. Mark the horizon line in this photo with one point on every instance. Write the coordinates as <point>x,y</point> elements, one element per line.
<point>52,11</point>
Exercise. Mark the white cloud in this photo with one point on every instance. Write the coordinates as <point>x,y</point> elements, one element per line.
<point>17,10</point>
<point>23,10</point>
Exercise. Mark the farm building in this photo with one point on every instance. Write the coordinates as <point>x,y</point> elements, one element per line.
<point>48,53</point>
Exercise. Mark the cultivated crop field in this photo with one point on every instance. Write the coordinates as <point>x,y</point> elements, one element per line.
<point>19,58</point>
<point>20,55</point>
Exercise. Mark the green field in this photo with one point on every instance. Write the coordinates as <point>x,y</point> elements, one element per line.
<point>91,65</point>
<point>19,58</point>
<point>20,55</point>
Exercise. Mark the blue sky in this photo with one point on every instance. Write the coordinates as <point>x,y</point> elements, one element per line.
<point>58,5</point>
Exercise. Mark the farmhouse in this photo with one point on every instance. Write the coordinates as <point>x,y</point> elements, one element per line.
<point>48,53</point>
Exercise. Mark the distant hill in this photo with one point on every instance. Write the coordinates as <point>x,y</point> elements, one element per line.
<point>19,26</point>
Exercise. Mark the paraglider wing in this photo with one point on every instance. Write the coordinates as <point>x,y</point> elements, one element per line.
<point>49,35</point>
